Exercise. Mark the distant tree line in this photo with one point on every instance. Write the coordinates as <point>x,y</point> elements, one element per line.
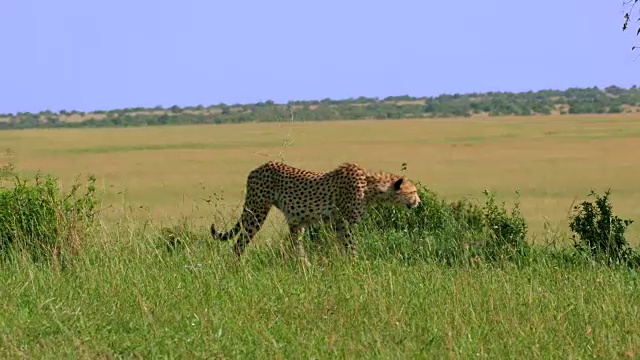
<point>612,99</point>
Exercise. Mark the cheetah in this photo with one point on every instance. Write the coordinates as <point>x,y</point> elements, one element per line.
<point>306,197</point>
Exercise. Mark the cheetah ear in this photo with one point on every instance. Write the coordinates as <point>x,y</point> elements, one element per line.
<point>397,184</point>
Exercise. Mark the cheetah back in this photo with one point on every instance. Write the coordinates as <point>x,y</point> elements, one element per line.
<point>306,196</point>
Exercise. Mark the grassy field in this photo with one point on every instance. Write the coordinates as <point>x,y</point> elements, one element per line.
<point>129,297</point>
<point>168,171</point>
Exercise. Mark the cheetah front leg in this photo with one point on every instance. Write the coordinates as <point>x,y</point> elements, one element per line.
<point>295,237</point>
<point>343,233</point>
<point>344,228</point>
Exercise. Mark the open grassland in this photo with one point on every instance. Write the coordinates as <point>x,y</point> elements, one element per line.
<point>128,296</point>
<point>168,171</point>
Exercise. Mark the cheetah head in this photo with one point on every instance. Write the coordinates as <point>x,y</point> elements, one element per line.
<point>404,192</point>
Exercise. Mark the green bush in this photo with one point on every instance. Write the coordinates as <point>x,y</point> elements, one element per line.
<point>41,221</point>
<point>180,236</point>
<point>7,166</point>
<point>599,233</point>
<point>507,232</point>
<point>456,232</point>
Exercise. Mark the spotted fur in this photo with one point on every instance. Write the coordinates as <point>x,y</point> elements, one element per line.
<point>307,197</point>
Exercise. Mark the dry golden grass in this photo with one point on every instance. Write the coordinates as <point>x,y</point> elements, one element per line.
<point>552,160</point>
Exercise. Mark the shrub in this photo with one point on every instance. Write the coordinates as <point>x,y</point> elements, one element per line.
<point>436,230</point>
<point>7,167</point>
<point>38,219</point>
<point>455,232</point>
<point>507,232</point>
<point>179,236</point>
<point>600,233</point>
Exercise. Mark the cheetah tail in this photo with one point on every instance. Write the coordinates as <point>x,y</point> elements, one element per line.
<point>225,236</point>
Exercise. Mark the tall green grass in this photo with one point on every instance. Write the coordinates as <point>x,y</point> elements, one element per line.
<point>129,297</point>
<point>452,279</point>
<point>40,221</point>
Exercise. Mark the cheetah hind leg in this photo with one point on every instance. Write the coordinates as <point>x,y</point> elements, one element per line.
<point>252,218</point>
<point>250,222</point>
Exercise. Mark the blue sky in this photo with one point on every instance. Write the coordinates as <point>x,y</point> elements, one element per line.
<point>89,55</point>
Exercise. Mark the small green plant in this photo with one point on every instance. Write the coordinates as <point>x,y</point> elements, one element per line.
<point>7,166</point>
<point>506,232</point>
<point>178,237</point>
<point>39,219</point>
<point>598,232</point>
<point>468,213</point>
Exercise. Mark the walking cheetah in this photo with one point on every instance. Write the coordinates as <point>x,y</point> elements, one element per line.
<point>306,197</point>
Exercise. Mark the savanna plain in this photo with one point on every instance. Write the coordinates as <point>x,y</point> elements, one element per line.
<point>128,295</point>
